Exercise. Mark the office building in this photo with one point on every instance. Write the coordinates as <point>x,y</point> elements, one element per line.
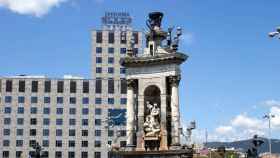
<point>71,117</point>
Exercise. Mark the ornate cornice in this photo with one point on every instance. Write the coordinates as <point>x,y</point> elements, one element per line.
<point>154,60</point>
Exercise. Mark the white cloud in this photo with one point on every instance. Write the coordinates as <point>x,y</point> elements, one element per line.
<point>224,130</point>
<point>243,121</point>
<point>188,38</point>
<point>271,103</point>
<point>275,122</point>
<point>37,8</point>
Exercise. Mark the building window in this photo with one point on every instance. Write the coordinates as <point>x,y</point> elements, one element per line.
<point>72,132</point>
<point>21,99</point>
<point>111,60</point>
<point>19,132</point>
<point>135,51</point>
<point>98,50</point>
<point>98,60</point>
<point>97,154</point>
<point>72,111</point>
<point>46,132</point>
<point>9,85</point>
<point>20,110</point>
<point>110,100</point>
<point>33,121</point>
<point>97,133</point>
<point>98,37</point>
<point>32,132</point>
<point>47,100</point>
<point>18,154</point>
<point>85,100</point>
<point>111,86</point>
<point>123,37</point>
<point>34,100</point>
<point>122,133</point>
<point>7,121</point>
<point>86,87</point>
<point>34,86</point>
<point>72,100</point>
<point>71,143</point>
<point>32,143</point>
<point>7,110</point>
<point>20,121</point>
<point>60,86</point>
<point>59,100</point>
<point>98,86</point>
<point>33,110</point>
<point>84,143</point>
<point>45,143</point>
<point>111,50</point>
<point>123,101</point>
<point>85,111</point>
<point>98,111</point>
<point>46,111</point>
<point>58,154</point>
<point>111,36</point>
<point>47,86</point>
<point>84,154</point>
<point>97,122</point>
<point>58,132</point>
<point>71,154</point>
<point>110,70</point>
<point>6,143</point>
<point>6,132</point>
<point>99,70</point>
<point>123,86</point>
<point>122,143</point>
<point>98,101</point>
<point>85,133</point>
<point>122,70</point>
<point>21,86</point>
<point>123,50</point>
<point>58,143</point>
<point>72,122</point>
<point>6,154</point>
<point>19,143</point>
<point>136,38</point>
<point>46,121</point>
<point>59,111</point>
<point>85,122</point>
<point>8,99</point>
<point>97,143</point>
<point>110,133</point>
<point>59,121</point>
<point>73,86</point>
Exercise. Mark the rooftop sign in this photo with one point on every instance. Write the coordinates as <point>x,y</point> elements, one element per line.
<point>116,18</point>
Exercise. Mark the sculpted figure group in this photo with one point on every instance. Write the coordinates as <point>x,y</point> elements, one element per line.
<point>152,125</point>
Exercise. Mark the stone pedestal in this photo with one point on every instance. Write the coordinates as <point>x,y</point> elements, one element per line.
<point>183,153</point>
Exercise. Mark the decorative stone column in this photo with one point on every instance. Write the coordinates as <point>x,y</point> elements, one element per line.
<point>175,111</point>
<point>130,127</point>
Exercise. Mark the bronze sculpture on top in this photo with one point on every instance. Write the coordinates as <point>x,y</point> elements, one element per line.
<point>153,115</point>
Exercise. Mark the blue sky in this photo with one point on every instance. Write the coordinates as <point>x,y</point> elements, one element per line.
<point>229,81</point>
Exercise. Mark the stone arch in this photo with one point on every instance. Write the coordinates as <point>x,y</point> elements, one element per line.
<point>152,95</point>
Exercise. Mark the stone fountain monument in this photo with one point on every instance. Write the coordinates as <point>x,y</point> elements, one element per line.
<point>153,115</point>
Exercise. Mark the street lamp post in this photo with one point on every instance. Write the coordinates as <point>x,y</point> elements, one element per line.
<point>269,117</point>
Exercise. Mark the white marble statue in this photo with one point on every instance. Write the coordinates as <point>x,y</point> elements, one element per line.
<point>151,124</point>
